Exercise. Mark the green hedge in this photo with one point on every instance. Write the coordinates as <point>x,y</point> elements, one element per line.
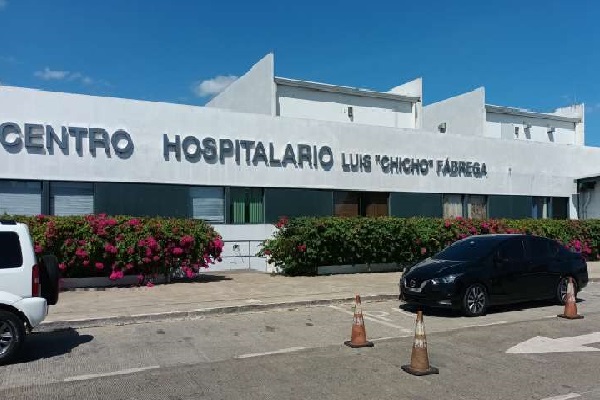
<point>105,246</point>
<point>301,245</point>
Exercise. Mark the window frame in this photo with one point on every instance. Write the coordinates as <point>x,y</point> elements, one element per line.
<point>362,202</point>
<point>230,210</point>
<point>464,204</point>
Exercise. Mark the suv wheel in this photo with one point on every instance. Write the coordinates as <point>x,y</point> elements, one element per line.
<point>49,278</point>
<point>12,335</point>
<point>475,300</point>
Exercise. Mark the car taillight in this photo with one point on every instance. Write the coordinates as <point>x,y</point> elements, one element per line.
<point>36,286</point>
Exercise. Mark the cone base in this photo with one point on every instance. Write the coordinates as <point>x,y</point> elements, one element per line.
<point>565,316</point>
<point>358,345</point>
<point>430,371</point>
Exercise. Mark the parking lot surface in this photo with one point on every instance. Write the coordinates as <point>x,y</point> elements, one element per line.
<point>289,346</point>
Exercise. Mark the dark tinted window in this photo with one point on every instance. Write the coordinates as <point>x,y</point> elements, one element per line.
<point>297,203</point>
<point>555,248</point>
<point>539,248</point>
<point>512,250</point>
<point>560,207</point>
<point>416,205</point>
<point>467,249</point>
<point>10,250</point>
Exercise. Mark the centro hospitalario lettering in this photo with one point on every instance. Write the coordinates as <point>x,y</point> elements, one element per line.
<point>44,139</point>
<point>251,152</point>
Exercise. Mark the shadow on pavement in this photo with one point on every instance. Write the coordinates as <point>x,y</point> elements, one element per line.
<point>41,345</point>
<point>204,278</point>
<point>444,312</point>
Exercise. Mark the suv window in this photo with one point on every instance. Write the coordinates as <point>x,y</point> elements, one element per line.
<point>512,250</point>
<point>10,250</point>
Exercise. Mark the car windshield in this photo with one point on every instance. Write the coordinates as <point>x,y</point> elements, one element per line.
<point>467,249</point>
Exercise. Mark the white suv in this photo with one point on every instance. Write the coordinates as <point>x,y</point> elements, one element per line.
<point>27,287</point>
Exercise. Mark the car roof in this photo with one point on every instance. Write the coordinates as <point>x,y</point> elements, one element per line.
<point>496,237</point>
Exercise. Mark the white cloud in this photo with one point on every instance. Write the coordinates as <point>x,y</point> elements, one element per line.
<point>3,4</point>
<point>213,86</point>
<point>47,74</point>
<point>9,59</point>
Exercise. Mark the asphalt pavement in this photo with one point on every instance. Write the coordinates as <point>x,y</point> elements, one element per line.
<point>298,352</point>
<point>220,293</point>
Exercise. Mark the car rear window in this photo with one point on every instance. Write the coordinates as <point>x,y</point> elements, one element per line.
<point>467,249</point>
<point>10,250</point>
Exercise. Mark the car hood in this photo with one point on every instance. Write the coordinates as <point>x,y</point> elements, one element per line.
<point>431,268</point>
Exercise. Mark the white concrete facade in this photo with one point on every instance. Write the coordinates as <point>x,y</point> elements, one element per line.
<point>510,167</point>
<point>468,114</point>
<point>68,137</point>
<point>259,91</point>
<point>254,92</point>
<point>298,99</point>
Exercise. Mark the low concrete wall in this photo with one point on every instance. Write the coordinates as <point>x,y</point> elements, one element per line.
<point>68,284</point>
<point>359,268</point>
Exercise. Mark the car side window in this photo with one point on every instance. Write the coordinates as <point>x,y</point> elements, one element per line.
<point>10,251</point>
<point>512,250</point>
<point>539,248</point>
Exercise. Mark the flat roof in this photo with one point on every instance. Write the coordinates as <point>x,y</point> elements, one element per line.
<point>532,114</point>
<point>589,178</point>
<point>323,87</point>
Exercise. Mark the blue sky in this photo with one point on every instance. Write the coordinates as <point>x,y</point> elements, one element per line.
<point>532,54</point>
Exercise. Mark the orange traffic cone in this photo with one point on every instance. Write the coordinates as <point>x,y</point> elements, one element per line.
<point>419,360</point>
<point>570,303</point>
<point>359,333</point>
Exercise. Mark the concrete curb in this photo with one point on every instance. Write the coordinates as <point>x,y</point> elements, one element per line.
<point>182,315</point>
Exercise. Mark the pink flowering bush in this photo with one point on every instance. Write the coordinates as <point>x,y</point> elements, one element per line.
<point>301,245</point>
<point>101,245</point>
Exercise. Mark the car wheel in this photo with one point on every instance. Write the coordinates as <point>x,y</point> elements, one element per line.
<point>49,278</point>
<point>475,300</point>
<point>12,336</point>
<point>561,289</point>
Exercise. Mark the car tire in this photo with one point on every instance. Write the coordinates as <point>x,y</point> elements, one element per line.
<point>50,279</point>
<point>561,290</point>
<point>475,300</point>
<point>12,336</point>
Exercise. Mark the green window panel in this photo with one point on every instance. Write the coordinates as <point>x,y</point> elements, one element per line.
<point>246,206</point>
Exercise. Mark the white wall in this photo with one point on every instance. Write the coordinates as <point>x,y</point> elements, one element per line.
<point>463,114</point>
<point>514,167</point>
<point>413,88</point>
<point>254,92</point>
<point>575,111</point>
<point>242,242</point>
<point>496,123</point>
<point>298,102</point>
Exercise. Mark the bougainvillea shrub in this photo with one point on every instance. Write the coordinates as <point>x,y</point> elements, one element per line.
<point>301,245</point>
<point>114,246</point>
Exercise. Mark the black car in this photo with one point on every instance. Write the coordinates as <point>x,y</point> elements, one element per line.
<point>483,270</point>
